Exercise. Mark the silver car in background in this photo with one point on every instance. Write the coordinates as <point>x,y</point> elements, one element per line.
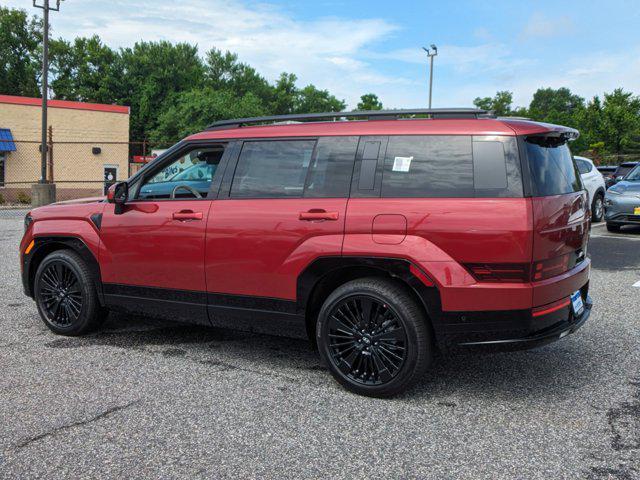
<point>622,202</point>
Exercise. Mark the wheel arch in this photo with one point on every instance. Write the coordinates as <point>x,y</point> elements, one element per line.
<point>325,274</point>
<point>43,246</point>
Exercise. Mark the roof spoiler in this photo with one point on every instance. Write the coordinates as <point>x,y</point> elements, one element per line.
<point>362,114</point>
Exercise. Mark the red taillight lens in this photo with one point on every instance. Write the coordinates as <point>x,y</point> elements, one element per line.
<point>499,272</point>
<point>550,268</point>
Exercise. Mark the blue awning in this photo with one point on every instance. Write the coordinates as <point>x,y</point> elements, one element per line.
<point>6,141</point>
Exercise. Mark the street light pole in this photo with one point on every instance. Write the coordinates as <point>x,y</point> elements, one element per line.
<point>431,53</point>
<point>45,83</point>
<point>44,193</point>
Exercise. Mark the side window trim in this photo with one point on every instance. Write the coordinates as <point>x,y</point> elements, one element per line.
<point>356,191</point>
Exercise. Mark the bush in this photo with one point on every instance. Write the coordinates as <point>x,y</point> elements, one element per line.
<point>2,202</point>
<point>23,198</point>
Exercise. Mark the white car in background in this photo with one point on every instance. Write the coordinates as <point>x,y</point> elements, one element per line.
<point>593,182</point>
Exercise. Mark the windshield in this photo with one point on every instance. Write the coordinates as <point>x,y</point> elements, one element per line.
<point>634,175</point>
<point>553,170</point>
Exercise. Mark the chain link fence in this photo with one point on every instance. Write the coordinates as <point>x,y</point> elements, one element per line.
<point>78,168</point>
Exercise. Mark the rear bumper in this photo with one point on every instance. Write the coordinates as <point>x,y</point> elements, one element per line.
<point>544,336</point>
<point>513,329</point>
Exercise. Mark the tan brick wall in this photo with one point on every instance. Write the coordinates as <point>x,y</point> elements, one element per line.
<point>71,162</point>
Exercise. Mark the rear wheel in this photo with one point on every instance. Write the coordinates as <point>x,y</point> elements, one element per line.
<point>374,337</point>
<point>597,208</point>
<point>66,296</point>
<point>612,227</point>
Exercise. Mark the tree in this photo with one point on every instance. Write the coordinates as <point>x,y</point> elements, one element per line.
<point>192,111</point>
<point>500,104</point>
<point>284,98</point>
<point>369,101</point>
<point>555,106</point>
<point>86,71</point>
<point>310,100</point>
<point>20,61</point>
<point>620,120</point>
<point>153,73</point>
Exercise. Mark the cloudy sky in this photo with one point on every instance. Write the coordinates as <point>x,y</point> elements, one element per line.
<point>353,47</point>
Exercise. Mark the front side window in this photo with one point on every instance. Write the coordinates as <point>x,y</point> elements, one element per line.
<point>634,175</point>
<point>553,171</point>
<point>188,176</point>
<point>272,169</point>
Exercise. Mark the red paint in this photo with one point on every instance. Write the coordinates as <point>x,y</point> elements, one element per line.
<point>148,246</point>
<point>37,102</point>
<point>259,247</point>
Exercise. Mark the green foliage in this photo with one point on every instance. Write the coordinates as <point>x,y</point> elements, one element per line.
<point>20,38</point>
<point>369,101</point>
<point>23,198</point>
<point>500,104</point>
<point>192,111</point>
<point>2,200</point>
<point>620,121</point>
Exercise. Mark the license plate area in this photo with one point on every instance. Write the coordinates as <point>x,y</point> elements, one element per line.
<point>576,303</point>
<point>636,211</point>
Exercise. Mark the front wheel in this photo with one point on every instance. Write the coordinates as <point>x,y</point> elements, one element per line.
<point>374,337</point>
<point>612,227</point>
<point>597,208</point>
<point>66,295</point>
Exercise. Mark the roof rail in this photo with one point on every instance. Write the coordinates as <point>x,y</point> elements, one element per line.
<point>366,114</point>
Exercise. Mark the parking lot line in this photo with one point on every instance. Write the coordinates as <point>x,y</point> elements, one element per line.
<point>637,284</point>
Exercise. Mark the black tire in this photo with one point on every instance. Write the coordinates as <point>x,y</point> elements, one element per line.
<point>66,295</point>
<point>612,227</point>
<point>597,208</point>
<point>396,326</point>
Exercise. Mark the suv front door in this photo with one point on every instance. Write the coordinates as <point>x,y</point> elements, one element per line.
<point>152,254</point>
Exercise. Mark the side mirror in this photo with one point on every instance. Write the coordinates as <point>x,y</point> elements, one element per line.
<point>617,179</point>
<point>118,194</point>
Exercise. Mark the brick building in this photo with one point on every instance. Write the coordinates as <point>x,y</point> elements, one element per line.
<point>89,146</point>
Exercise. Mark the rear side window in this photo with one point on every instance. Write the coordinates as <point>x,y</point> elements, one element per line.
<point>272,169</point>
<point>428,166</point>
<point>452,166</point>
<point>553,171</point>
<point>331,167</point>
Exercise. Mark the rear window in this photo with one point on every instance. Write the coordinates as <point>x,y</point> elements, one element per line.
<point>553,171</point>
<point>451,166</point>
<point>623,169</point>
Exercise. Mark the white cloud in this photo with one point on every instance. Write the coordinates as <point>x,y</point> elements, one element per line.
<point>325,51</point>
<point>544,26</point>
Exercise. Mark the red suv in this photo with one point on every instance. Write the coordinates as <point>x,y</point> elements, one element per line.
<point>379,237</point>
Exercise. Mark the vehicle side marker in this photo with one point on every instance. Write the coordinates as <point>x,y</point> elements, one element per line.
<point>29,247</point>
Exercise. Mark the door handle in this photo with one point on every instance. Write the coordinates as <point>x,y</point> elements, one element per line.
<point>183,215</point>
<point>318,215</point>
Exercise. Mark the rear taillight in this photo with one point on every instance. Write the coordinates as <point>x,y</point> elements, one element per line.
<point>550,268</point>
<point>499,272</point>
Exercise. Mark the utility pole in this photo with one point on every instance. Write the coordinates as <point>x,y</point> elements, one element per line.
<point>44,195</point>
<point>431,53</point>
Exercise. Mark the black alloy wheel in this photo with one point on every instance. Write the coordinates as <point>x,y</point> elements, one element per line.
<point>367,341</point>
<point>61,294</point>
<point>66,295</point>
<point>374,336</point>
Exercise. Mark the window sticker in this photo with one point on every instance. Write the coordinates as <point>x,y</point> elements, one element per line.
<point>402,164</point>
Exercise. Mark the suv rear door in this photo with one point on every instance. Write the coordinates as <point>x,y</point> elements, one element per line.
<point>282,204</point>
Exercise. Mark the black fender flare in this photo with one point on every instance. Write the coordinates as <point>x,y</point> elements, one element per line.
<point>45,245</point>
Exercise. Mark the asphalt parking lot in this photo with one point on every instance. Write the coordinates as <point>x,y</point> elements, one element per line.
<point>144,399</point>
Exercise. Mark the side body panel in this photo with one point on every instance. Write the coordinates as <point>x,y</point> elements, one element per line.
<point>443,233</point>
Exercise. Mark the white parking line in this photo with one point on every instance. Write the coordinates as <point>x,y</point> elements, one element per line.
<point>596,225</point>
<point>637,284</point>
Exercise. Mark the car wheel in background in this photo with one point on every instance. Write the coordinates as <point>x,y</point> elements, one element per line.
<point>374,337</point>
<point>612,227</point>
<point>597,208</point>
<point>66,296</point>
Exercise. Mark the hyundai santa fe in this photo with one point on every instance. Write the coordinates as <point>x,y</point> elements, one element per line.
<point>379,235</point>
